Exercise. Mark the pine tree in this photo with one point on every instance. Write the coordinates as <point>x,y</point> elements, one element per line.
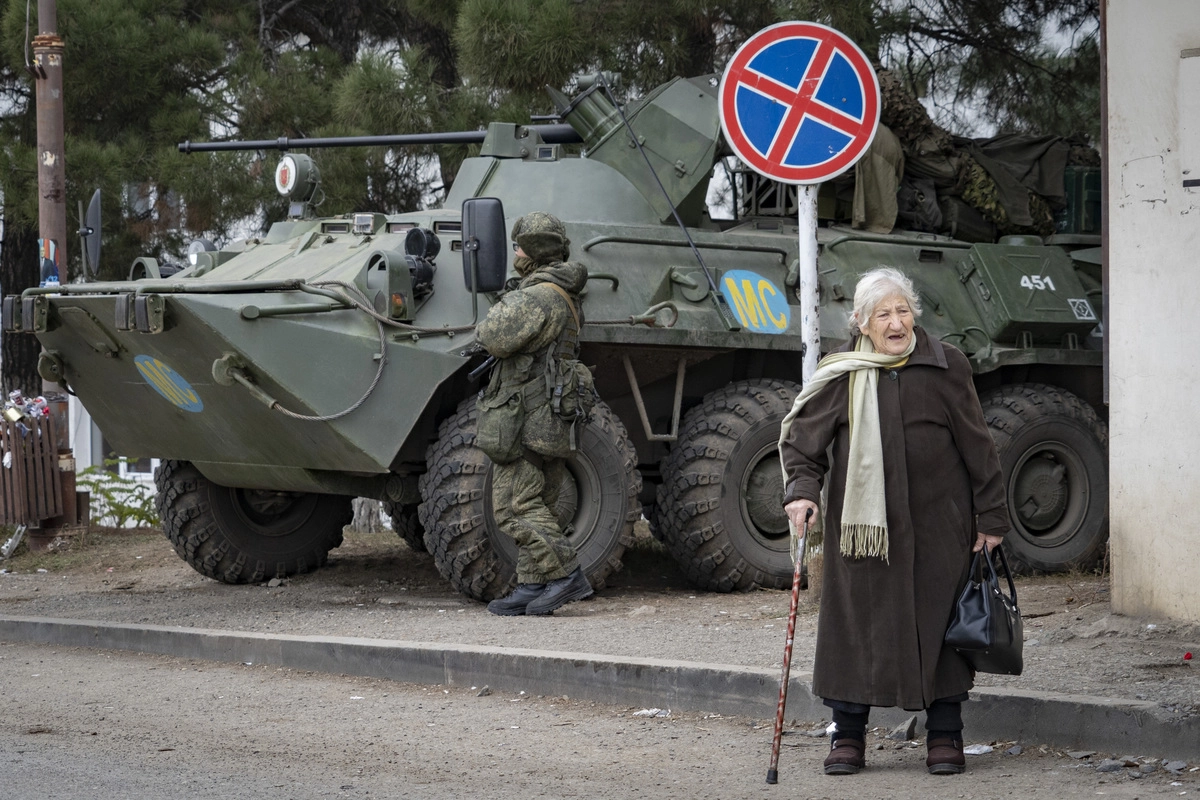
<point>140,76</point>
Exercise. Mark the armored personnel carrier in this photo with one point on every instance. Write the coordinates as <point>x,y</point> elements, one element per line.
<point>332,358</point>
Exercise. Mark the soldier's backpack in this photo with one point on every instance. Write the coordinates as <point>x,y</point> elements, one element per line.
<point>552,429</point>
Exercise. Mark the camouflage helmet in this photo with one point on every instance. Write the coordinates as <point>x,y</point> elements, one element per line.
<point>542,236</point>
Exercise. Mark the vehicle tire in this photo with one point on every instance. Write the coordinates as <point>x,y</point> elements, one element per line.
<point>244,535</point>
<point>720,505</point>
<point>406,522</point>
<point>601,502</point>
<point>1054,455</point>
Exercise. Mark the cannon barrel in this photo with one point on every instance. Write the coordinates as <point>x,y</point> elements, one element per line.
<point>551,134</point>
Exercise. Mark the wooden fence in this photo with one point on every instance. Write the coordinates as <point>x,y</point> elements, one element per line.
<point>30,484</point>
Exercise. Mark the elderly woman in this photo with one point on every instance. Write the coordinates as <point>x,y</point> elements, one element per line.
<point>915,486</point>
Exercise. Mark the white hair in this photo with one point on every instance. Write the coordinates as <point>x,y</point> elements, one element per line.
<point>876,286</point>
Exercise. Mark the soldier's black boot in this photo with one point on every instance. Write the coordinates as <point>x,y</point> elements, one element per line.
<point>560,592</point>
<point>515,603</point>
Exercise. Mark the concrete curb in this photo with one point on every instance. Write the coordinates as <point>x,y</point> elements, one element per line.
<point>1070,722</point>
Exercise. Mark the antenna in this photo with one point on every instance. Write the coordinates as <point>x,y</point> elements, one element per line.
<point>722,305</point>
<point>89,235</point>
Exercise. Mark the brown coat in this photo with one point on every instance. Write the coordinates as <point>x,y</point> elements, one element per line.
<point>879,636</point>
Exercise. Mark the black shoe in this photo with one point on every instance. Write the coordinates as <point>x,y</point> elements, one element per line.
<point>514,604</point>
<point>560,592</point>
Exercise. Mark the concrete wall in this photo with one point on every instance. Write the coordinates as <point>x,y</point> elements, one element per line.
<point>1153,82</point>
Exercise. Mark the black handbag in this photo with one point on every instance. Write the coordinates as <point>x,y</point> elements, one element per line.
<point>986,628</point>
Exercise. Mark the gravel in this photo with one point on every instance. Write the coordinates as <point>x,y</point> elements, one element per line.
<point>79,724</point>
<point>375,586</point>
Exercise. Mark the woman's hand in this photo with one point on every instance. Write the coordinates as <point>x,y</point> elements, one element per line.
<point>797,510</point>
<point>982,539</point>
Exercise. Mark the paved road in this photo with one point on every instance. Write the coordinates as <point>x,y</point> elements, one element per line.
<point>80,723</point>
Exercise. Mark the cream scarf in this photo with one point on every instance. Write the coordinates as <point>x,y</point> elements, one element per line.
<point>864,510</point>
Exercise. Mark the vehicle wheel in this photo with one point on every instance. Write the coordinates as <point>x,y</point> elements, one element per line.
<point>245,535</point>
<point>600,501</point>
<point>407,524</point>
<point>720,506</point>
<point>1054,454</point>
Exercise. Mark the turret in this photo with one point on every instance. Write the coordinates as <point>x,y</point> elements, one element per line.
<point>678,128</point>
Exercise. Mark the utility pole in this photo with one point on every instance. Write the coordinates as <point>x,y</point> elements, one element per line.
<point>47,69</point>
<point>52,182</point>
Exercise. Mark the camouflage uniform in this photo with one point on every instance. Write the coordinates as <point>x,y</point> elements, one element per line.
<point>521,331</point>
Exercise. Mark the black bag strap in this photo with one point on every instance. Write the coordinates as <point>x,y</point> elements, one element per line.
<point>975,574</point>
<point>1012,588</point>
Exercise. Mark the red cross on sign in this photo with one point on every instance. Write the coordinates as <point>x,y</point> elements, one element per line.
<point>799,102</point>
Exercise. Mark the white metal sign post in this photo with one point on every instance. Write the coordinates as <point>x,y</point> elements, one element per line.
<point>799,103</point>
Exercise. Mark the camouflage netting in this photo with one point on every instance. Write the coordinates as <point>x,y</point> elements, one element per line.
<point>981,193</point>
<point>933,154</point>
<point>1084,155</point>
<point>909,120</point>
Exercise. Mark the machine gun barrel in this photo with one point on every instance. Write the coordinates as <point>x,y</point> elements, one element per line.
<point>551,134</point>
<point>474,374</point>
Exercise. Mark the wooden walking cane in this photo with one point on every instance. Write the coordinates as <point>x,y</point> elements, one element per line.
<point>799,580</point>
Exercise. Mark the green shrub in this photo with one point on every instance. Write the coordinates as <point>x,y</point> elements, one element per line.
<point>117,501</point>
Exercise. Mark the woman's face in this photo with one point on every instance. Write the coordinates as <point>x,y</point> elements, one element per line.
<point>890,326</point>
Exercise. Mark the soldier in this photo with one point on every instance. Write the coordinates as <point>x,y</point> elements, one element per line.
<point>533,331</point>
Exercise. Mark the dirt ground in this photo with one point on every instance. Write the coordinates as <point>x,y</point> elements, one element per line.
<point>376,586</point>
<point>81,724</point>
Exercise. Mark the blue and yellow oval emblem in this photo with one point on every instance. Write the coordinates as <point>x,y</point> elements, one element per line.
<point>760,305</point>
<point>169,383</point>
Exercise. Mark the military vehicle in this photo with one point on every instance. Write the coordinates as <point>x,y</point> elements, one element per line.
<point>332,358</point>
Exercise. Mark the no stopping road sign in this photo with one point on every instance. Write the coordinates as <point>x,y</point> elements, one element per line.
<point>799,102</point>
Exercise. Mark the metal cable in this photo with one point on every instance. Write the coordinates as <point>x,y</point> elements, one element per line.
<point>364,305</point>
<point>356,299</point>
<point>359,302</point>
